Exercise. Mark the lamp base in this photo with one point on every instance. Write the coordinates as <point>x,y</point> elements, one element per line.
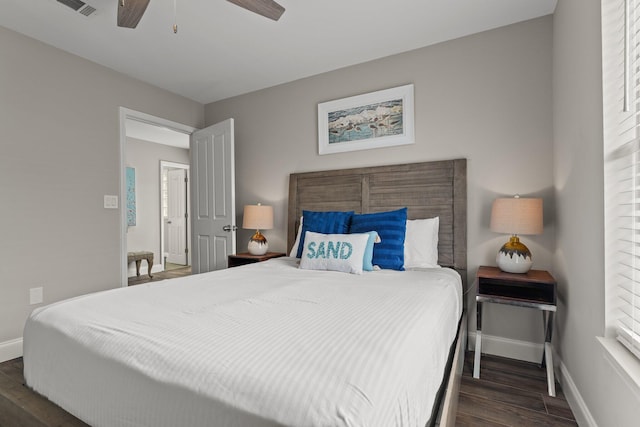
<point>514,257</point>
<point>258,244</point>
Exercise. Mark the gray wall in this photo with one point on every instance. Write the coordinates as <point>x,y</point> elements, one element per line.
<point>579,257</point>
<point>486,97</point>
<point>59,140</point>
<point>145,157</point>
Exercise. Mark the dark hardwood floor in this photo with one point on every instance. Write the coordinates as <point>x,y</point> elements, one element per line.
<point>21,407</point>
<point>509,393</point>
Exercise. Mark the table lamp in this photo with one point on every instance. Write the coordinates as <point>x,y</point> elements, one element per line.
<point>258,217</point>
<point>516,215</point>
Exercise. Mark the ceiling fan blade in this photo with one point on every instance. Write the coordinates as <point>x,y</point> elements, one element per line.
<point>130,12</point>
<point>267,8</point>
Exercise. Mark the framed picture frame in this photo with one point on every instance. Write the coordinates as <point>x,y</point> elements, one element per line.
<point>373,120</point>
<point>131,196</point>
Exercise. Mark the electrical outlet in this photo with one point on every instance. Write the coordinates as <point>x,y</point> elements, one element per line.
<point>110,202</point>
<point>36,295</point>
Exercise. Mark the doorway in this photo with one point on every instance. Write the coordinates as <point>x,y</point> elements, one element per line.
<point>145,195</point>
<point>174,211</point>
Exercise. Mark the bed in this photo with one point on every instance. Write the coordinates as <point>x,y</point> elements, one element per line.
<point>293,348</point>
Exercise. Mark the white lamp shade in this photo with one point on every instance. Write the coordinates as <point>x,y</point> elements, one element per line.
<point>517,215</point>
<point>258,217</point>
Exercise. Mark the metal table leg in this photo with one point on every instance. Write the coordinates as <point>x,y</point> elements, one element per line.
<point>548,352</point>
<point>476,359</point>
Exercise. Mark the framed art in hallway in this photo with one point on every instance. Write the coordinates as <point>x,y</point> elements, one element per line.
<point>131,196</point>
<point>373,120</point>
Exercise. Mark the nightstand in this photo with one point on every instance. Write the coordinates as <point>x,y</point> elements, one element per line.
<point>534,289</point>
<point>246,258</point>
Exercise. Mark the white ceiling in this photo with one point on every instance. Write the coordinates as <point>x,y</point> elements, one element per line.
<point>222,50</point>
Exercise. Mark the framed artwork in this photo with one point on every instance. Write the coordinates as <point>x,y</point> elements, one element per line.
<point>378,119</point>
<point>131,196</point>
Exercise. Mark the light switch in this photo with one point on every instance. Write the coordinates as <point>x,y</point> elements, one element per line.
<point>110,202</point>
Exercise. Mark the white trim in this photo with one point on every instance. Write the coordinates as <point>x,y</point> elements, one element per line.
<point>506,347</point>
<point>157,121</point>
<point>10,349</point>
<point>126,113</point>
<point>626,365</point>
<point>169,164</point>
<point>574,398</point>
<point>532,352</point>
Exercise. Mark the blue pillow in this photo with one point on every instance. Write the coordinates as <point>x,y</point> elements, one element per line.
<point>324,222</point>
<point>367,264</point>
<point>392,227</point>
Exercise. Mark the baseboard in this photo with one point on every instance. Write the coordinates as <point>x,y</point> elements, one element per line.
<point>532,352</point>
<point>10,349</point>
<point>505,347</point>
<point>574,398</point>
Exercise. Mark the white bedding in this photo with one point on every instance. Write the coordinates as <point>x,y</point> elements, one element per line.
<point>261,345</point>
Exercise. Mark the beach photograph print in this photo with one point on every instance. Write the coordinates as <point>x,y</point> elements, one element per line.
<point>368,121</point>
<point>373,120</point>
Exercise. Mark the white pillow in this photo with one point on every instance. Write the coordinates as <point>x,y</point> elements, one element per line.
<point>336,252</point>
<point>294,249</point>
<point>421,243</point>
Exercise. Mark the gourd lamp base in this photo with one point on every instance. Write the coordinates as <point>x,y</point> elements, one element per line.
<point>258,244</point>
<point>514,257</point>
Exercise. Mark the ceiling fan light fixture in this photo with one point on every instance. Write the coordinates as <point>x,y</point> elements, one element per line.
<point>267,8</point>
<point>130,12</point>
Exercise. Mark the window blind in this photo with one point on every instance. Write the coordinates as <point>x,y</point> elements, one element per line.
<point>621,96</point>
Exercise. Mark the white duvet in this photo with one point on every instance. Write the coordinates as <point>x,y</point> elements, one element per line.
<point>261,345</point>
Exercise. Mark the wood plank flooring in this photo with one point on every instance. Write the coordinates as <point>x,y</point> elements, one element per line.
<point>21,407</point>
<point>509,393</point>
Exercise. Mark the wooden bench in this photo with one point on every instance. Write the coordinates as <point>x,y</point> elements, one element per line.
<point>138,257</point>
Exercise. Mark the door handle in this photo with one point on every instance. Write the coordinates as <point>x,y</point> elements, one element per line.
<point>168,222</point>
<point>230,228</point>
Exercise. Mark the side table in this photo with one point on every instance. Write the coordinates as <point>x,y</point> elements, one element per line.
<point>246,258</point>
<point>534,289</point>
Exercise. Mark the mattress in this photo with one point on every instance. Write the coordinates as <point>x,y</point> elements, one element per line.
<point>266,344</point>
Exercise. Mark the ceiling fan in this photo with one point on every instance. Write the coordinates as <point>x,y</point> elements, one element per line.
<point>130,11</point>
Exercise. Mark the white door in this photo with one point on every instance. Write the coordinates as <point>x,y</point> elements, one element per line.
<point>212,197</point>
<point>177,216</point>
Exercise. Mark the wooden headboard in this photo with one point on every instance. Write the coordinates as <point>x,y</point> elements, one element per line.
<point>427,189</point>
